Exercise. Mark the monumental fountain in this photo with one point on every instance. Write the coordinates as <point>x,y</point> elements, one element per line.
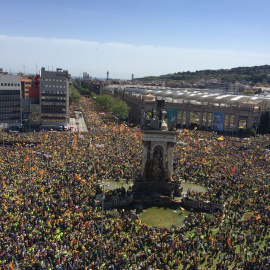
<point>155,184</point>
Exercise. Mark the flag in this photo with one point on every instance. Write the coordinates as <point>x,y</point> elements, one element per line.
<point>11,266</point>
<point>229,242</point>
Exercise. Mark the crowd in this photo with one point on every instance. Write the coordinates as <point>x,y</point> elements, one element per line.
<point>48,220</point>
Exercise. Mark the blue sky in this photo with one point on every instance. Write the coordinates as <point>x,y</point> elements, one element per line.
<point>140,37</point>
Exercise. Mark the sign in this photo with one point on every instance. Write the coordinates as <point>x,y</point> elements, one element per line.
<point>172,116</point>
<point>217,121</point>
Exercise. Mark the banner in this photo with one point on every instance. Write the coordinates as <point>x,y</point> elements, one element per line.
<point>172,116</point>
<point>217,121</point>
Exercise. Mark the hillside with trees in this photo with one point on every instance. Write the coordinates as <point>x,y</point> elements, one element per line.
<point>255,75</point>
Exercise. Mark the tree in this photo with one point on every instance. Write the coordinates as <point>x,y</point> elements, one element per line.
<point>115,105</point>
<point>248,92</point>
<point>105,101</point>
<point>75,96</point>
<point>121,109</point>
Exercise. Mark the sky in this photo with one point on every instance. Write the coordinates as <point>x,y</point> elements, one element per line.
<point>140,37</point>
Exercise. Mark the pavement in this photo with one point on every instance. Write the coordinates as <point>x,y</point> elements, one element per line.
<point>77,124</point>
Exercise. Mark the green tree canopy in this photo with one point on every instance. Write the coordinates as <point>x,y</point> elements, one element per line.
<point>255,74</point>
<point>121,109</point>
<point>81,90</point>
<point>105,101</point>
<point>116,106</point>
<point>75,96</point>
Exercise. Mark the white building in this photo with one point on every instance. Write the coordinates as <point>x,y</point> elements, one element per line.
<point>10,96</point>
<point>54,98</point>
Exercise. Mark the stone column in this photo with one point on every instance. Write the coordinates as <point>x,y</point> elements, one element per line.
<point>235,121</point>
<point>165,158</point>
<point>201,119</point>
<point>170,160</point>
<point>206,120</point>
<point>250,120</point>
<point>229,122</point>
<point>145,154</point>
<point>182,116</point>
<point>187,117</point>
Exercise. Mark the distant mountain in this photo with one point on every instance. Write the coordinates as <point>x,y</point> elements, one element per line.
<point>256,74</point>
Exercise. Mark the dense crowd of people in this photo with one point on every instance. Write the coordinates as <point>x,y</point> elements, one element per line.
<point>49,180</point>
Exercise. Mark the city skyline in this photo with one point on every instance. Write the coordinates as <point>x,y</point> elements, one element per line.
<point>143,38</point>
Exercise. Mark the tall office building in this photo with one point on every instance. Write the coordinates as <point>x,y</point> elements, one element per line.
<point>54,98</point>
<point>10,97</point>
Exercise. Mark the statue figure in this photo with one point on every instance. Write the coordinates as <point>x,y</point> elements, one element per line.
<point>156,170</point>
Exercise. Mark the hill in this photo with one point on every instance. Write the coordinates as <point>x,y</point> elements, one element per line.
<point>255,75</point>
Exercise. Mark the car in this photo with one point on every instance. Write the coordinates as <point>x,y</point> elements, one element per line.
<point>14,129</point>
<point>62,128</point>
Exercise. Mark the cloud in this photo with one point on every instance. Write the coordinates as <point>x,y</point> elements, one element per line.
<point>121,60</point>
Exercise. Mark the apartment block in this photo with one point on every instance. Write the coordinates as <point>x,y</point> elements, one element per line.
<point>54,98</point>
<point>10,100</point>
<point>26,84</point>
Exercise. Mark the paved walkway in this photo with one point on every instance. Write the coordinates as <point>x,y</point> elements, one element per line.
<point>77,124</point>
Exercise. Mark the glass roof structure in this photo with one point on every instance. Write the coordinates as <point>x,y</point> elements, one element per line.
<point>195,96</point>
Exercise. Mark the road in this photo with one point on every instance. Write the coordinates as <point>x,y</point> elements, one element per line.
<point>77,124</point>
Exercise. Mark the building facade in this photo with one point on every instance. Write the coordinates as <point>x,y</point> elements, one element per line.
<point>26,84</point>
<point>10,100</point>
<point>195,107</point>
<point>54,98</point>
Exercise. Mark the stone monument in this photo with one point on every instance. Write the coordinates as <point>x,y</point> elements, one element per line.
<point>155,184</point>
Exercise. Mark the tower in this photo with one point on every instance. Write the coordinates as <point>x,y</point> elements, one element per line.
<point>107,75</point>
<point>155,185</point>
